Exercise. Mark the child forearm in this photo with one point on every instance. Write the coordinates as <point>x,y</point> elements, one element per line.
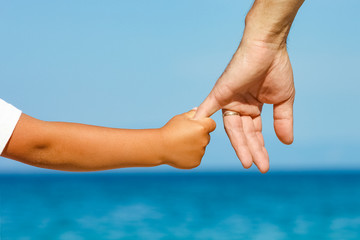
<point>78,147</point>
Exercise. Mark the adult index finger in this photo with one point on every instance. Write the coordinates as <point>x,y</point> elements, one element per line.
<point>207,108</point>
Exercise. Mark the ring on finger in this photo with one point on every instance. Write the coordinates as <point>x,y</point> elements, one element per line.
<point>230,113</point>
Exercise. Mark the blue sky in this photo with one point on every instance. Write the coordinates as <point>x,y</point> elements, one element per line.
<point>101,62</point>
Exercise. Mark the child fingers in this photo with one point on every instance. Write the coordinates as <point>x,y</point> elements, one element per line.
<point>190,114</point>
<point>208,124</point>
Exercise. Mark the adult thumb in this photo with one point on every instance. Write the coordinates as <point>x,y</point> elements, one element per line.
<point>283,121</point>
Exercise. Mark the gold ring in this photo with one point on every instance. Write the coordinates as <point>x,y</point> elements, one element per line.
<point>230,113</point>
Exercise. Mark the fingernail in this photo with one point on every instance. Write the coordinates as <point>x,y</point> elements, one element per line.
<point>194,108</point>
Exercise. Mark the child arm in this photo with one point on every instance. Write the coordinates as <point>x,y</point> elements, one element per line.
<point>79,147</point>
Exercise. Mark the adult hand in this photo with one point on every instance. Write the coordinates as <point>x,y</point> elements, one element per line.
<point>258,73</point>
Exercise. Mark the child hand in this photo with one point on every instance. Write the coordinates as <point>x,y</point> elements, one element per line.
<point>185,140</point>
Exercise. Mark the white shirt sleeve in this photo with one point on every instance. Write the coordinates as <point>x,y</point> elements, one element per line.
<point>9,116</point>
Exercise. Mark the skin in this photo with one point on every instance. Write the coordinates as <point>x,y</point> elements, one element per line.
<point>260,72</point>
<point>64,146</point>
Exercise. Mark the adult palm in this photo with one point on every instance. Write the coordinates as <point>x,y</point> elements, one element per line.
<point>258,73</point>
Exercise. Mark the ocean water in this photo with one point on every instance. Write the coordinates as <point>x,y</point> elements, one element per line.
<point>181,206</point>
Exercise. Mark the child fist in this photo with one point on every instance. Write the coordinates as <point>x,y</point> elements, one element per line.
<point>185,140</point>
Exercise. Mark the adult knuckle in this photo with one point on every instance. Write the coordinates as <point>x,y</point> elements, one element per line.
<point>227,128</point>
<point>250,132</point>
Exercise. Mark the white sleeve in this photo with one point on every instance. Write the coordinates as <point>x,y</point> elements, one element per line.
<point>9,116</point>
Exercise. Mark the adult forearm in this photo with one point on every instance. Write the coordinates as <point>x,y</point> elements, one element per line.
<point>78,147</point>
<point>269,21</point>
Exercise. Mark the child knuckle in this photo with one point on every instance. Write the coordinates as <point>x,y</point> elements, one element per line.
<point>196,163</point>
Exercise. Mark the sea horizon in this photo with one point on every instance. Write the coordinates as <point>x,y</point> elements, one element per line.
<point>179,172</point>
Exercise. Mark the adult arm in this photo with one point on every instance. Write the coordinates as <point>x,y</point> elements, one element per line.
<point>259,72</point>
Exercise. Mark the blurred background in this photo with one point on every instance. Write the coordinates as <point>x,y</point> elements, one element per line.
<point>101,62</point>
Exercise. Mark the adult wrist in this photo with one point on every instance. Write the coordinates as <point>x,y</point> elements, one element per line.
<point>269,21</point>
<point>268,33</point>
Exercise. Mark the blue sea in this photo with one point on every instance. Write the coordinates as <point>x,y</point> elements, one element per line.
<point>297,205</point>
